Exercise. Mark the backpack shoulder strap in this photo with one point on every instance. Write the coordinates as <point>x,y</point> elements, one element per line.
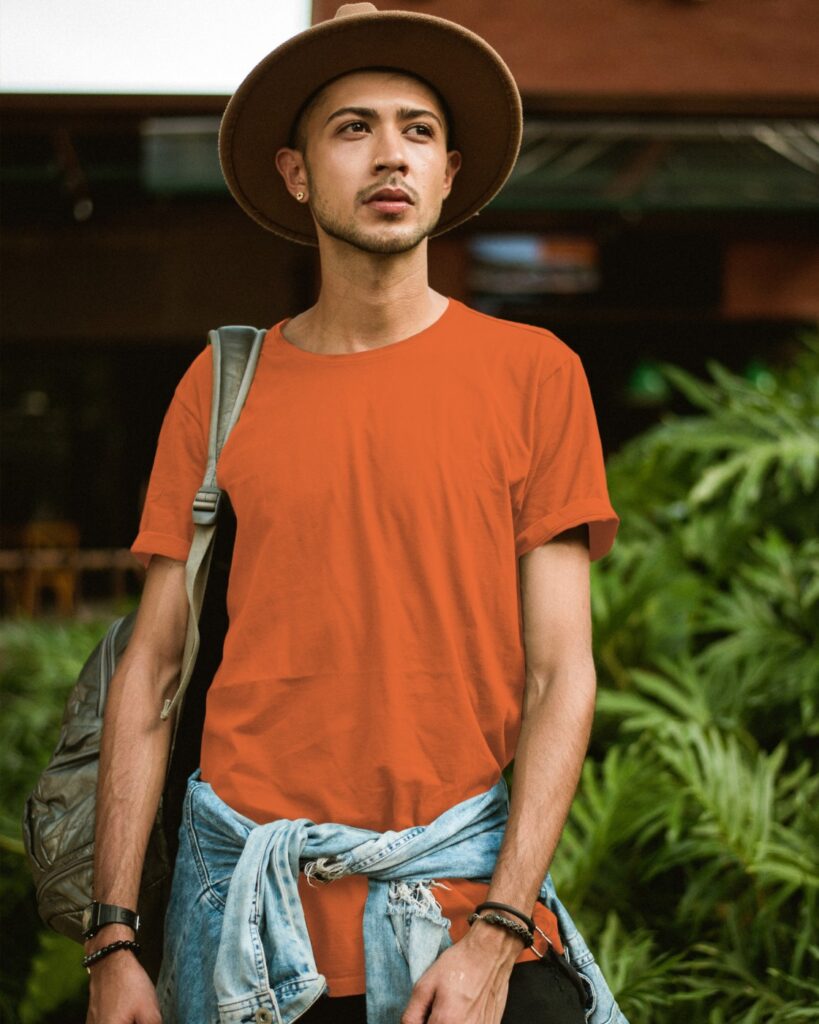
<point>235,356</point>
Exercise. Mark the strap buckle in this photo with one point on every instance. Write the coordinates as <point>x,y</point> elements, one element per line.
<point>549,944</point>
<point>206,506</point>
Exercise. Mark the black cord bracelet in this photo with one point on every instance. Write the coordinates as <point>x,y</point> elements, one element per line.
<point>104,951</point>
<point>490,905</point>
<point>519,929</point>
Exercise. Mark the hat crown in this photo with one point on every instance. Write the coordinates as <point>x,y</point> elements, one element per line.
<point>346,10</point>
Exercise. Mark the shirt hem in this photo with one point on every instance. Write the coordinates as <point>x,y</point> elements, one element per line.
<point>349,986</point>
<point>602,520</point>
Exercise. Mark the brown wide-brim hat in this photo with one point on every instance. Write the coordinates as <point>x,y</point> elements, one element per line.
<point>477,86</point>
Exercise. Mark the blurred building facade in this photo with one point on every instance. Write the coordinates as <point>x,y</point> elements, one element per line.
<point>665,207</point>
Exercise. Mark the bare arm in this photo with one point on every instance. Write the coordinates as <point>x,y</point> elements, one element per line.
<point>557,715</point>
<point>469,981</point>
<point>133,761</point>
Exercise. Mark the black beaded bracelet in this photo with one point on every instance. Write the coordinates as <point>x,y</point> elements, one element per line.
<point>520,930</point>
<point>491,905</point>
<point>104,951</point>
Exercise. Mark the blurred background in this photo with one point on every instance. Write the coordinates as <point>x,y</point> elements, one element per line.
<point>663,221</point>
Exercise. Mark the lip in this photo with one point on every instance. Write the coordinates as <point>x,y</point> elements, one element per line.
<point>389,200</point>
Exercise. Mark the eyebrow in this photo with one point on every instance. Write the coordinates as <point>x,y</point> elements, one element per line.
<point>404,114</point>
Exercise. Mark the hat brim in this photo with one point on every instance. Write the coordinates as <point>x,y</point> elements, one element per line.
<point>476,84</point>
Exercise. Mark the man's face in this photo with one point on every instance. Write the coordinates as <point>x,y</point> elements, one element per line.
<point>375,161</point>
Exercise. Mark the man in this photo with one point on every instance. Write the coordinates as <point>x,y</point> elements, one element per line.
<point>418,490</point>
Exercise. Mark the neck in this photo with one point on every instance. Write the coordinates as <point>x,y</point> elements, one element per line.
<point>366,300</point>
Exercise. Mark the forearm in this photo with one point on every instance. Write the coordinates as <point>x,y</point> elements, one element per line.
<point>133,760</point>
<point>136,742</point>
<point>557,715</point>
<point>557,718</point>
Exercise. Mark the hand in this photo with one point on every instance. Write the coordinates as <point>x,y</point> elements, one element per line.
<point>469,982</point>
<point>122,992</point>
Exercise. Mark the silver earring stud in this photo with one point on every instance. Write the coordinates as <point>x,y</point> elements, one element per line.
<point>300,196</point>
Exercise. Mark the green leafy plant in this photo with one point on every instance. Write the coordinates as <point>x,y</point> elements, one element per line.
<point>40,974</point>
<point>691,847</point>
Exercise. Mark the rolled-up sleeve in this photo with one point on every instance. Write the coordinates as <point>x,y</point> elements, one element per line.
<point>566,482</point>
<point>166,524</point>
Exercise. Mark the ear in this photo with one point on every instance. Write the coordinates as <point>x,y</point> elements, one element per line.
<point>290,164</point>
<point>453,165</point>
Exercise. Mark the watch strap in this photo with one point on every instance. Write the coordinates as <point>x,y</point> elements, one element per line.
<point>98,915</point>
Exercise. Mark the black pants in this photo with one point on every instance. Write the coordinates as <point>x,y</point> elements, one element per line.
<point>539,993</point>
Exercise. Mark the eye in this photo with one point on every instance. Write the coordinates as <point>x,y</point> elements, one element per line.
<point>355,126</point>
<point>422,129</point>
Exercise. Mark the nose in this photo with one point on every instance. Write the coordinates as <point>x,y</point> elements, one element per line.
<point>390,152</point>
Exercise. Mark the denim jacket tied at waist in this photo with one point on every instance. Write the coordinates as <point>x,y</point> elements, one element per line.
<point>265,959</point>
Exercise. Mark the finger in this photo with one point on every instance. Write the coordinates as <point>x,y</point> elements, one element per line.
<point>418,1007</point>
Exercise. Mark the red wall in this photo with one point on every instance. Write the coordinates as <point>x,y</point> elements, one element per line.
<point>682,53</point>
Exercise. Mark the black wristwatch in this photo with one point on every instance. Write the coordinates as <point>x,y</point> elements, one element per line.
<point>97,915</point>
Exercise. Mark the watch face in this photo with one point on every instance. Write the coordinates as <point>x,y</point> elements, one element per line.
<point>86,917</point>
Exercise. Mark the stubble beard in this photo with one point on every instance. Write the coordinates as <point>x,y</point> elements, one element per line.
<point>372,241</point>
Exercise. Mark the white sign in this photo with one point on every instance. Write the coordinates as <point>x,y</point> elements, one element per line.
<point>140,46</point>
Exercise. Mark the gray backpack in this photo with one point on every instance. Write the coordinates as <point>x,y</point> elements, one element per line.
<point>59,815</point>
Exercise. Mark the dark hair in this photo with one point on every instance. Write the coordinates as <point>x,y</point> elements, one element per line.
<point>297,138</point>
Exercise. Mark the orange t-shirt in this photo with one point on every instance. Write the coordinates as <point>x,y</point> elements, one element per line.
<point>373,669</point>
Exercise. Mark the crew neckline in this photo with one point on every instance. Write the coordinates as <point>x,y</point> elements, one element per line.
<point>344,358</point>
